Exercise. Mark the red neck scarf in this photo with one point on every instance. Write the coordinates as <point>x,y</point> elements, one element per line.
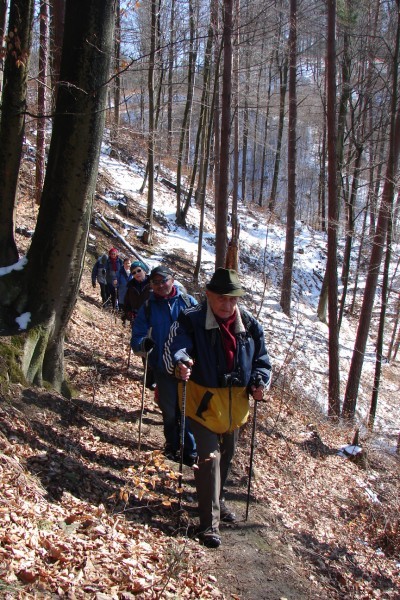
<point>227,328</point>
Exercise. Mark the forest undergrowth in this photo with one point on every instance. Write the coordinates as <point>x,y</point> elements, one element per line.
<point>84,515</point>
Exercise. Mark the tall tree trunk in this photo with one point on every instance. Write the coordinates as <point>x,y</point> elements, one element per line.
<point>202,120</point>
<point>42,84</point>
<point>57,18</point>
<point>3,20</point>
<point>283,72</point>
<point>222,198</point>
<point>353,382</point>
<point>245,135</point>
<point>117,78</point>
<point>334,378</point>
<point>148,235</point>
<point>350,204</point>
<point>170,75</point>
<point>43,294</point>
<point>214,10</point>
<point>12,123</point>
<point>286,289</point>
<point>381,330</point>
<point>188,108</point>
<point>235,96</point>
<point>265,137</point>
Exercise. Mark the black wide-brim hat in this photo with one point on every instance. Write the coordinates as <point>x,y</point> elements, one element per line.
<point>225,282</point>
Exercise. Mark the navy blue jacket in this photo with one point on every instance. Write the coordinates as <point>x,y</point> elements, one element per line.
<point>197,333</point>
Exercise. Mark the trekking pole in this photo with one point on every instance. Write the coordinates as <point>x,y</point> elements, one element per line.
<point>146,362</point>
<point>253,435</point>
<point>182,436</point>
<point>258,381</point>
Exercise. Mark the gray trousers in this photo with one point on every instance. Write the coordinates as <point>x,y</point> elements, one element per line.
<point>215,453</point>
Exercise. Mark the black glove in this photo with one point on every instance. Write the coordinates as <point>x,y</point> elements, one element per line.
<point>94,285</point>
<point>148,344</point>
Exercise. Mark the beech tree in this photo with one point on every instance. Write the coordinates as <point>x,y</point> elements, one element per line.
<point>38,293</point>
<point>12,124</point>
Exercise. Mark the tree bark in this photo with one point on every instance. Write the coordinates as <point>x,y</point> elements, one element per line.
<point>286,289</point>
<point>333,342</point>
<point>42,80</point>
<point>223,190</point>
<point>45,291</point>
<point>12,123</point>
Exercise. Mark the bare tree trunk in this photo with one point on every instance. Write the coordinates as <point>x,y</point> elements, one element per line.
<point>265,138</point>
<point>188,108</point>
<point>117,78</point>
<point>57,17</point>
<point>283,72</point>
<point>322,174</point>
<point>202,120</point>
<point>381,329</point>
<point>286,288</point>
<point>245,135</point>
<point>42,83</point>
<point>148,234</point>
<point>3,19</point>
<point>349,232</point>
<point>353,382</point>
<point>12,123</point>
<point>170,75</point>
<point>235,95</point>
<point>334,377</point>
<point>222,198</point>
<point>214,10</point>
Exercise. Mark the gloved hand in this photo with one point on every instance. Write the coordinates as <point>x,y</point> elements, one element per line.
<point>148,344</point>
<point>94,285</point>
<point>129,316</point>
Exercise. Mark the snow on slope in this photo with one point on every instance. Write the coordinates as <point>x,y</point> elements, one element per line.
<point>298,345</point>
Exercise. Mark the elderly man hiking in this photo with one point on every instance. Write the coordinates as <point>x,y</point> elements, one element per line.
<point>219,350</point>
<point>150,331</point>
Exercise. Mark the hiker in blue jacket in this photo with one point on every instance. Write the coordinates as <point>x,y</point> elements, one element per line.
<point>219,350</point>
<point>124,276</point>
<point>149,333</point>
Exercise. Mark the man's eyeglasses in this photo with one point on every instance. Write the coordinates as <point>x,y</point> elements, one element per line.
<point>136,271</point>
<point>161,281</point>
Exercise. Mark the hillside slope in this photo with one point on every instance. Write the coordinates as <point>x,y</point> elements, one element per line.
<point>82,515</point>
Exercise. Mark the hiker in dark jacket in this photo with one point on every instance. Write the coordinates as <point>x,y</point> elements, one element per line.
<point>137,291</point>
<point>228,361</point>
<point>150,330</point>
<point>99,275</point>
<point>124,277</point>
<point>113,267</point>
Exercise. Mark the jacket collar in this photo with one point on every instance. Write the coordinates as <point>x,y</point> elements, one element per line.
<point>211,321</point>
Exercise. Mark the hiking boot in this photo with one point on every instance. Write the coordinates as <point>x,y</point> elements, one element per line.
<point>226,515</point>
<point>189,459</point>
<point>171,454</point>
<point>210,538</point>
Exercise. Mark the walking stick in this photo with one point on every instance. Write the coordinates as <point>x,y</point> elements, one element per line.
<point>253,435</point>
<point>146,362</point>
<point>182,436</point>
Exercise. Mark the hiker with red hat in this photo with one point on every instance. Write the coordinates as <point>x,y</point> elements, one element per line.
<point>218,349</point>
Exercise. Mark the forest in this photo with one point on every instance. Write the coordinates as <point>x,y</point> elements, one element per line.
<point>284,109</point>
